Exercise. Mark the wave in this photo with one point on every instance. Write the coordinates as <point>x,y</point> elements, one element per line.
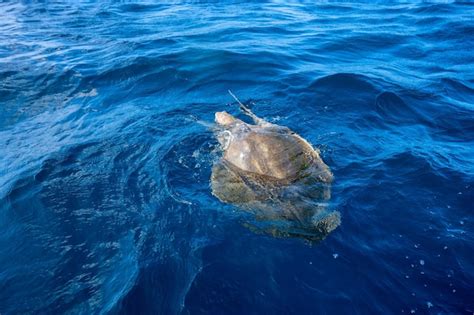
<point>104,169</point>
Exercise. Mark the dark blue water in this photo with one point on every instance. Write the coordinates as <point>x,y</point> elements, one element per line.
<point>105,203</point>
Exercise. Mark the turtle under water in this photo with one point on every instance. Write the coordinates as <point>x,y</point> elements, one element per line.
<point>272,171</point>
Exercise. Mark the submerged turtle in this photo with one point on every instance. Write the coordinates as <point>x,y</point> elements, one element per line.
<point>274,172</point>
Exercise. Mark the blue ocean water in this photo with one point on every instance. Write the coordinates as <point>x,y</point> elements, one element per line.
<point>106,155</point>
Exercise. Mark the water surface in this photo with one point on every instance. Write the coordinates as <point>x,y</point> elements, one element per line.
<point>105,204</point>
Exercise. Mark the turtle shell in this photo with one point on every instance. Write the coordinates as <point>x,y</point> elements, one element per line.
<point>273,172</point>
<point>275,152</point>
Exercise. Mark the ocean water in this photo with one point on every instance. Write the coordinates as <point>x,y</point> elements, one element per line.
<point>106,152</point>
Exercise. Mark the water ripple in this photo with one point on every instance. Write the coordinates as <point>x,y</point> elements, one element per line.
<point>106,149</point>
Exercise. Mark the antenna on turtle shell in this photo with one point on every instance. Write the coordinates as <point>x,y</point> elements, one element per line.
<point>244,108</point>
<point>248,112</point>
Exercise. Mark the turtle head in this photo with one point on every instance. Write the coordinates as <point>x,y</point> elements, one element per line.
<point>225,119</point>
<point>225,122</point>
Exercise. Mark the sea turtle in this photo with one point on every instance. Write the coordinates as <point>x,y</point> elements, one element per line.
<point>273,171</point>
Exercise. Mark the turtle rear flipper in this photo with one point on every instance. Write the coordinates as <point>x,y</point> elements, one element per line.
<point>327,223</point>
